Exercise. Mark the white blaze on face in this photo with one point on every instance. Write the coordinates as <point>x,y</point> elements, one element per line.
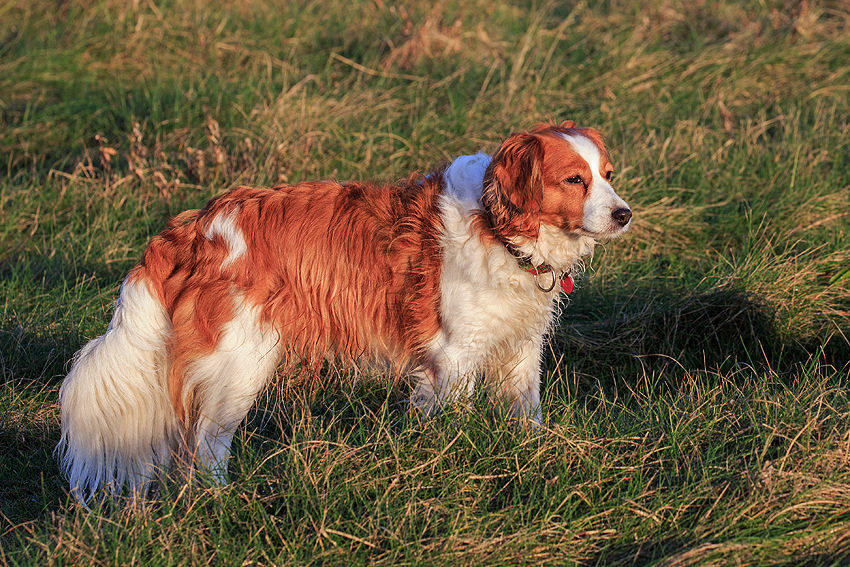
<point>601,199</point>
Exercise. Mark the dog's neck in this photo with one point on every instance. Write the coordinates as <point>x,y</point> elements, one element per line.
<point>465,181</point>
<point>524,260</point>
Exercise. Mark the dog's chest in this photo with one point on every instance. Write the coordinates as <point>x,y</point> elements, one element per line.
<point>503,309</point>
<point>484,294</point>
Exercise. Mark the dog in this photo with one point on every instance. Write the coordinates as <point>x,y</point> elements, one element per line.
<point>450,277</point>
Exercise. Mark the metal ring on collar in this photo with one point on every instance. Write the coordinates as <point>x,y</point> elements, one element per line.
<point>551,287</point>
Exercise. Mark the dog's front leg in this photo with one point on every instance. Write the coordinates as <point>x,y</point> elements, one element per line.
<point>516,382</point>
<point>448,378</point>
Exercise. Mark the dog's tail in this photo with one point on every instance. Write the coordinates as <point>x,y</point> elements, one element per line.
<point>118,424</point>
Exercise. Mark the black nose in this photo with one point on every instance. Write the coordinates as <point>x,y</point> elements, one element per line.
<point>622,216</point>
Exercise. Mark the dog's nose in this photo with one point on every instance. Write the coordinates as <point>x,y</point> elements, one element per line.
<point>622,216</point>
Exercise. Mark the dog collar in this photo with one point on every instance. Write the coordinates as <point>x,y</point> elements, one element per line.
<point>524,261</point>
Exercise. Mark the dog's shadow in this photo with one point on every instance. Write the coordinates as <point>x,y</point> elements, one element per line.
<point>32,358</point>
<point>673,333</point>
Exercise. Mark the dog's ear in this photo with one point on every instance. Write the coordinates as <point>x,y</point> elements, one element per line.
<point>513,181</point>
<point>568,124</point>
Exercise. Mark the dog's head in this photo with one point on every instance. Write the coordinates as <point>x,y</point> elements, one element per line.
<point>555,176</point>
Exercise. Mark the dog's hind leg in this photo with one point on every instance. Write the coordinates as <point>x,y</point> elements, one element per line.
<point>220,388</point>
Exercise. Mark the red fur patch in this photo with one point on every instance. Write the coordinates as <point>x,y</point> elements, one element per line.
<point>351,268</point>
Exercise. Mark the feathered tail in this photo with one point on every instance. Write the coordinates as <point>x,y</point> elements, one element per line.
<point>118,424</point>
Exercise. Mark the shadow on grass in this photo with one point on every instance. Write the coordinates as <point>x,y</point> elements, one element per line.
<point>683,552</point>
<point>31,364</point>
<point>31,484</point>
<point>670,333</point>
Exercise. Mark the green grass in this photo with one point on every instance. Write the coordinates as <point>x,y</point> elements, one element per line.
<point>697,391</point>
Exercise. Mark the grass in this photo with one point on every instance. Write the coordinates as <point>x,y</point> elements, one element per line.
<point>697,390</point>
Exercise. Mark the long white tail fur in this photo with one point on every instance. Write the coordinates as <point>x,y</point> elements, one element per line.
<point>118,425</point>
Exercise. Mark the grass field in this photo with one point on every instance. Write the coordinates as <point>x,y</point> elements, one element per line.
<point>697,391</point>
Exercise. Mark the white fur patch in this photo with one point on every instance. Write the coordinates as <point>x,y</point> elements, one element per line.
<point>555,248</point>
<point>494,316</point>
<point>225,226</point>
<point>465,175</point>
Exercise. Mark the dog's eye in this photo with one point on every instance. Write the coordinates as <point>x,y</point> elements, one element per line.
<point>608,175</point>
<point>574,180</point>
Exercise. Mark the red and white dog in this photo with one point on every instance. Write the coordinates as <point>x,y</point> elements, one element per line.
<point>449,277</point>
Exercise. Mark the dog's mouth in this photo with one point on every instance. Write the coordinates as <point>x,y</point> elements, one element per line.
<point>618,223</point>
<point>606,235</point>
